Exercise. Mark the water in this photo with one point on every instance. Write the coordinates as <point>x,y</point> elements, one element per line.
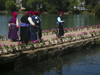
<point>86,62</point>
<point>49,21</point>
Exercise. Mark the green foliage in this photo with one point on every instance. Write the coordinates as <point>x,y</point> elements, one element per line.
<point>50,6</point>
<point>51,9</point>
<point>84,12</point>
<point>90,4</point>
<point>97,10</point>
<point>70,12</point>
<point>1,36</point>
<point>2,4</point>
<point>30,4</point>
<point>93,10</point>
<point>72,4</point>
<point>10,5</point>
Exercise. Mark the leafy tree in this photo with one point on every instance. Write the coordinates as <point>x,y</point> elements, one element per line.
<point>2,4</point>
<point>90,4</point>
<point>97,10</point>
<point>54,6</point>
<point>10,5</point>
<point>65,5</point>
<point>73,3</point>
<point>50,6</point>
<point>30,4</point>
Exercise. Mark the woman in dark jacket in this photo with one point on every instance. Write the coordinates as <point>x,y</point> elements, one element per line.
<point>36,32</point>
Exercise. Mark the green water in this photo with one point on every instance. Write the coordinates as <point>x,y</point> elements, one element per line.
<point>86,62</point>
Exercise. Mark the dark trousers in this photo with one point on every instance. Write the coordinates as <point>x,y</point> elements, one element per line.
<point>60,31</point>
<point>25,34</point>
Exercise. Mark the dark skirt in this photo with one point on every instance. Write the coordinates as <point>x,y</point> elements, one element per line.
<point>25,34</point>
<point>39,33</point>
<point>60,31</point>
<point>33,35</point>
<point>13,32</point>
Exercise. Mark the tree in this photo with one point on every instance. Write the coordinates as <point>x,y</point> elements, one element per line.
<point>90,4</point>
<point>30,4</point>
<point>51,6</point>
<point>2,4</point>
<point>97,10</point>
<point>10,5</point>
<point>72,4</point>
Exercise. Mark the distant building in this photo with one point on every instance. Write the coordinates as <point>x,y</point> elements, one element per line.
<point>81,5</point>
<point>99,2</point>
<point>19,4</point>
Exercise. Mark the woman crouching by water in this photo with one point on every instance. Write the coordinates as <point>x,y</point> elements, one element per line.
<point>13,27</point>
<point>60,21</point>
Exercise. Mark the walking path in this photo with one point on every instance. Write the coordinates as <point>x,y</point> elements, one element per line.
<point>8,42</point>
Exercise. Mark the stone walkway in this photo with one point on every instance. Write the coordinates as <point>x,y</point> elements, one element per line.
<point>8,42</point>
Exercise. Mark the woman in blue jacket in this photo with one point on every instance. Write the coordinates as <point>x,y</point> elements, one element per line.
<point>60,21</point>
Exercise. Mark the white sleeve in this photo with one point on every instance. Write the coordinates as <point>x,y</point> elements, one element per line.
<point>17,22</point>
<point>30,21</point>
<point>8,24</point>
<point>59,19</point>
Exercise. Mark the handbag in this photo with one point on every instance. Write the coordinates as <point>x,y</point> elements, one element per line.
<point>57,25</point>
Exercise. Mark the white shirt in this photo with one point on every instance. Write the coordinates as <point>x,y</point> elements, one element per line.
<point>59,19</point>
<point>30,21</point>
<point>17,24</point>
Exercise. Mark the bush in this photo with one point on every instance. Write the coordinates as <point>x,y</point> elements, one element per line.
<point>97,10</point>
<point>93,10</point>
<point>85,12</point>
<point>70,12</point>
<point>1,36</point>
<point>10,5</point>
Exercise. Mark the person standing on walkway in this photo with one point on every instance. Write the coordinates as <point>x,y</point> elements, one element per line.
<point>34,29</point>
<point>13,27</point>
<point>39,29</point>
<point>26,21</point>
<point>60,21</point>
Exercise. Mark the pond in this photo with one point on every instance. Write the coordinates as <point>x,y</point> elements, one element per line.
<point>86,62</point>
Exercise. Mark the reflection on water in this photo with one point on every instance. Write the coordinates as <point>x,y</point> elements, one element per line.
<point>86,62</point>
<point>49,21</point>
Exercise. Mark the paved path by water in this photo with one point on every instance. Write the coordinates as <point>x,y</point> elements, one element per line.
<point>8,42</point>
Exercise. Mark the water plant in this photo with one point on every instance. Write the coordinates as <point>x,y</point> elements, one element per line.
<point>12,46</point>
<point>5,36</point>
<point>6,47</point>
<point>1,46</point>
<point>1,36</point>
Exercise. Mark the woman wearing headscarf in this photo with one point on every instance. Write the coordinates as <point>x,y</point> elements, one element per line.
<point>60,21</point>
<point>35,30</point>
<point>39,29</point>
<point>13,27</point>
<point>26,21</point>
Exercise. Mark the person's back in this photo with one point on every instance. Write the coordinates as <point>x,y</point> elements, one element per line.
<point>35,20</point>
<point>25,28</point>
<point>24,19</point>
<point>13,27</point>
